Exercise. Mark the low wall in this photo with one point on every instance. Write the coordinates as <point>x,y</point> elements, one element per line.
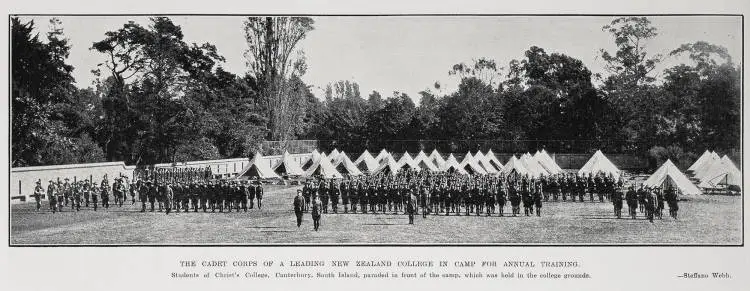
<point>230,167</point>
<point>23,179</point>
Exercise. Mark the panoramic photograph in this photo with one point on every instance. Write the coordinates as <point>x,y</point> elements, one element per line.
<point>490,130</point>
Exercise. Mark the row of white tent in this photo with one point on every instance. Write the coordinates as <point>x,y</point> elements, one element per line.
<point>709,169</point>
<point>713,171</point>
<point>337,163</point>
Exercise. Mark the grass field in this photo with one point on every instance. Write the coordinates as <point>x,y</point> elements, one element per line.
<point>703,220</point>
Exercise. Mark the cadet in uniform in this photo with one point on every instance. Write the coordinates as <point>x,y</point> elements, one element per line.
<point>95,195</point>
<point>344,190</point>
<point>51,196</point>
<point>632,199</point>
<point>316,212</point>
<point>333,189</point>
<point>617,203</point>
<point>299,206</point>
<point>259,193</point>
<point>538,200</point>
<point>38,193</point>
<point>411,206</point>
<point>671,197</point>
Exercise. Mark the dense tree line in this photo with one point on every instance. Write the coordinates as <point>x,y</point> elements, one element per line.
<point>160,99</point>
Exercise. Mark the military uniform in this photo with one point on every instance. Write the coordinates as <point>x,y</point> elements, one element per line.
<point>299,206</point>
<point>316,213</point>
<point>38,193</point>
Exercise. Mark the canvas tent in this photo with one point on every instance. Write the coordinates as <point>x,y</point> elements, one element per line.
<point>366,163</point>
<point>287,166</point>
<point>344,165</point>
<point>333,155</point>
<point>533,166</point>
<point>485,163</point>
<point>314,157</point>
<point>490,156</point>
<point>452,165</point>
<point>721,172</point>
<point>514,166</point>
<point>424,162</point>
<point>382,156</point>
<point>257,168</point>
<point>706,156</point>
<point>388,166</point>
<point>437,159</point>
<point>322,167</point>
<point>669,176</point>
<point>703,167</point>
<point>406,162</point>
<point>599,163</point>
<point>470,165</point>
<point>547,162</point>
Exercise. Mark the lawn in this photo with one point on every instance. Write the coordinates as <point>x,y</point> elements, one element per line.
<point>703,220</point>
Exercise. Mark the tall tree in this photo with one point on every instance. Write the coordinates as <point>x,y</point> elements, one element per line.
<point>271,43</point>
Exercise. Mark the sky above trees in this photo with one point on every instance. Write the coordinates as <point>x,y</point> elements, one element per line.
<point>408,54</point>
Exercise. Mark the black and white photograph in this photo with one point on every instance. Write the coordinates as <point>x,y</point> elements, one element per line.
<point>375,130</point>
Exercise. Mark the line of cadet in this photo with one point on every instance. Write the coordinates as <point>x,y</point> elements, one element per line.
<point>161,195</point>
<point>81,193</point>
<point>454,194</point>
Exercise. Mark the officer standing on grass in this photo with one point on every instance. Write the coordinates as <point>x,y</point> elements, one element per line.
<point>411,206</point>
<point>299,206</point>
<point>51,196</point>
<point>316,212</point>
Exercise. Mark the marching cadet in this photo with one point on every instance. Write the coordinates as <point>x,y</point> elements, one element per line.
<point>104,190</point>
<point>323,195</point>
<point>259,193</point>
<point>650,205</point>
<point>67,193</point>
<point>38,193</point>
<point>143,189</point>
<point>333,189</point>
<point>76,199</point>
<point>411,206</point>
<point>641,198</point>
<point>592,187</point>
<point>617,203</point>
<point>299,206</point>
<point>424,202</point>
<point>501,198</point>
<point>187,195</point>
<point>95,195</point>
<point>528,202</point>
<point>344,189</point>
<point>490,199</point>
<point>538,200</point>
<point>59,195</point>
<point>515,198</point>
<point>244,195</point>
<point>632,199</point>
<point>581,185</point>
<point>205,195</point>
<point>363,190</point>
<point>659,202</point>
<point>316,212</point>
<point>152,194</point>
<point>168,197</point>
<point>354,191</point>
<point>671,197</point>
<point>117,192</point>
<point>52,196</point>
<point>251,195</point>
<point>133,189</point>
<point>371,198</point>
<point>306,194</point>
